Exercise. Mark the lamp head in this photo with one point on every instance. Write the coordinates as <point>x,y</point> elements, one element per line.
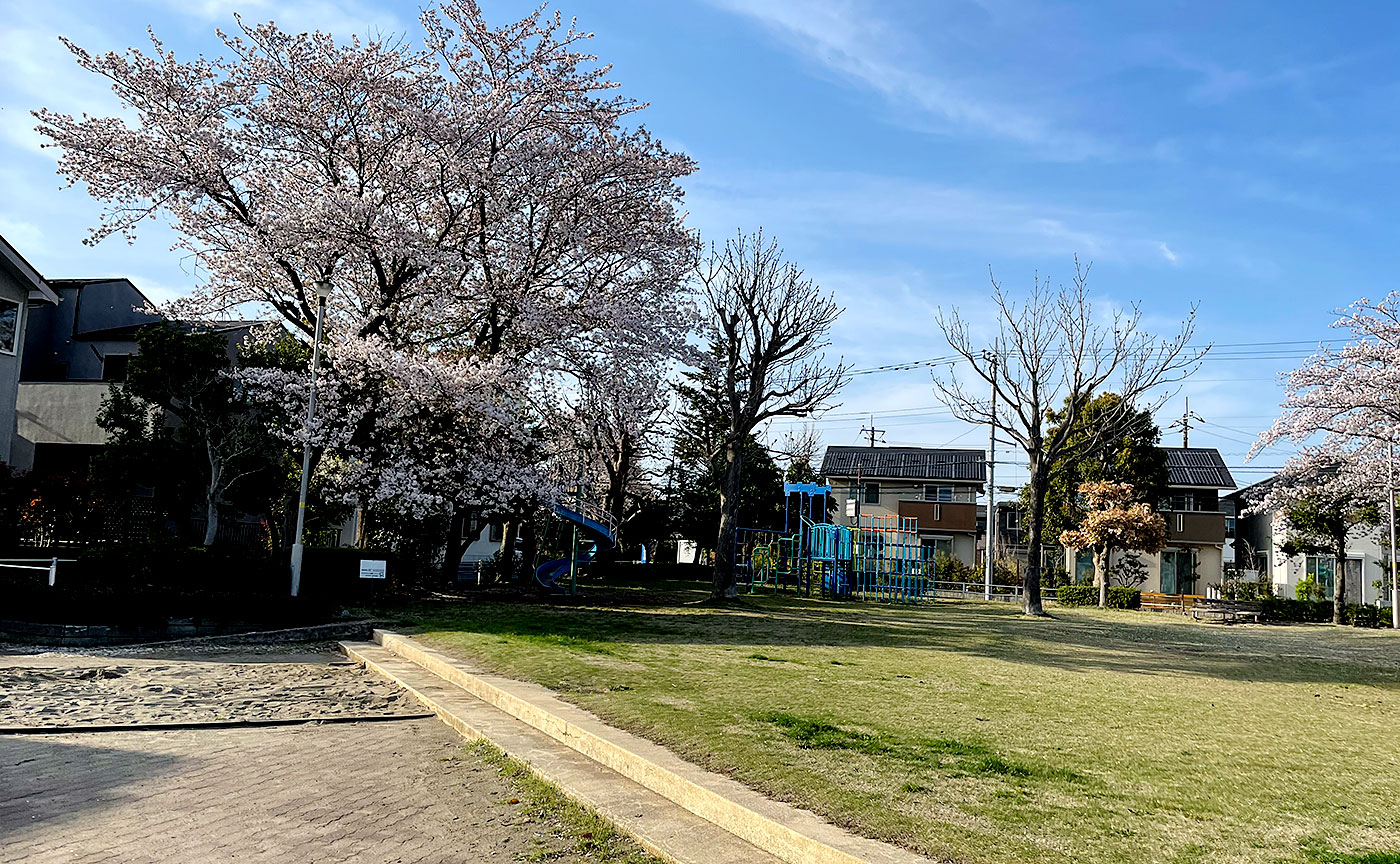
<point>323,288</point>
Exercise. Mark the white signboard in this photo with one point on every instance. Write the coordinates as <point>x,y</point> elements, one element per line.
<point>851,508</point>
<point>374,569</point>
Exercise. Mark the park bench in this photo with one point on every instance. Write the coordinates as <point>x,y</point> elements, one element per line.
<point>1182,603</point>
<point>1226,611</point>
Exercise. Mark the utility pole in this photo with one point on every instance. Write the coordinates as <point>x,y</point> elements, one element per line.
<point>1185,423</point>
<point>991,475</point>
<point>871,431</point>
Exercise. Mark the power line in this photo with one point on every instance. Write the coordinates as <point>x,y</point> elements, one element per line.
<point>1277,352</point>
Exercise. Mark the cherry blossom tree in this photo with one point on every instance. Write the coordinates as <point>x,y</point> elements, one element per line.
<point>769,326</point>
<point>1052,350</point>
<point>1325,494</point>
<point>1341,405</point>
<point>1114,521</point>
<point>1348,392</point>
<point>619,420</point>
<point>486,214</point>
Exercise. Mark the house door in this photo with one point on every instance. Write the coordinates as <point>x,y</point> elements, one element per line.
<point>1178,571</point>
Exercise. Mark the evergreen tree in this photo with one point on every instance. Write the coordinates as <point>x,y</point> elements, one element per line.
<point>1112,443</point>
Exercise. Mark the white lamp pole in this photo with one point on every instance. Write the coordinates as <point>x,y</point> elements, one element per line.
<point>323,292</point>
<point>1390,500</point>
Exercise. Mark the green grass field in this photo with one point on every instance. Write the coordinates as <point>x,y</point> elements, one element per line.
<point>969,732</point>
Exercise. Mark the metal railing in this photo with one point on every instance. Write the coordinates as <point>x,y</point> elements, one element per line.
<point>978,591</point>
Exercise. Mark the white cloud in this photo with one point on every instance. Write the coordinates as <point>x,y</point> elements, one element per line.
<point>1167,253</point>
<point>851,39</point>
<point>832,211</point>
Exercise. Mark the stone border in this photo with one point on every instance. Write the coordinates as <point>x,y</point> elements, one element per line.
<point>95,636</point>
<point>81,728</point>
<point>792,834</point>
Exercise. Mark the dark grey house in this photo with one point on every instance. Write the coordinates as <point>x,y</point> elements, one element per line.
<point>73,352</point>
<point>22,292</point>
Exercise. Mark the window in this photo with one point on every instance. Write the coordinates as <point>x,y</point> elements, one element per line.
<point>1013,520</point>
<point>9,326</point>
<point>1322,570</point>
<point>938,493</point>
<point>1178,571</point>
<point>114,367</point>
<point>872,493</point>
<point>1179,501</point>
<point>1229,526</point>
<point>938,546</point>
<point>1083,566</point>
<point>1261,562</point>
<point>497,533</point>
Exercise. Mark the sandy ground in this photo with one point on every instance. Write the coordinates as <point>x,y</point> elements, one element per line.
<point>202,684</point>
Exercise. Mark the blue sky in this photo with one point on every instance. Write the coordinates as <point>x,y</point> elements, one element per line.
<point>1242,156</point>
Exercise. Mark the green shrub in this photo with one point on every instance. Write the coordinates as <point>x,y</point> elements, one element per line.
<point>1123,597</point>
<point>1119,596</point>
<point>1285,609</point>
<point>1077,595</point>
<point>951,569</point>
<point>1308,589</point>
<point>1358,615</point>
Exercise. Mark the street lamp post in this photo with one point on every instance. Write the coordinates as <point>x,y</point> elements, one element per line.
<point>323,292</point>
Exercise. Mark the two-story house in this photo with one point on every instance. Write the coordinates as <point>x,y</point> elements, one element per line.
<point>939,487</point>
<point>73,353</point>
<point>22,292</point>
<point>1199,524</point>
<point>1258,552</point>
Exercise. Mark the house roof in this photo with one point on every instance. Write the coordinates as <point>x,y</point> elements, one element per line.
<point>905,463</point>
<point>1197,466</point>
<point>23,272</point>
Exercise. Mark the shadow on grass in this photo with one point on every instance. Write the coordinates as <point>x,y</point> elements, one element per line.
<point>1128,642</point>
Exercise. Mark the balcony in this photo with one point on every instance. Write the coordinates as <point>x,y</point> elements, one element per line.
<point>941,515</point>
<point>1195,526</point>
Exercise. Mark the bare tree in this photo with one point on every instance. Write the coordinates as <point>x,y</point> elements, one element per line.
<point>770,325</point>
<point>798,450</point>
<point>1052,352</point>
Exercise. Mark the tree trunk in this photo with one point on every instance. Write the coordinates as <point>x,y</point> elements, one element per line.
<point>1039,483</point>
<point>726,582</point>
<point>508,535</point>
<point>1101,574</point>
<point>361,527</point>
<point>211,495</point>
<point>456,545</point>
<point>1339,579</point>
<point>529,544</point>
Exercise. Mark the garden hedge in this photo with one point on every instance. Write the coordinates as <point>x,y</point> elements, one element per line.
<point>1119,596</point>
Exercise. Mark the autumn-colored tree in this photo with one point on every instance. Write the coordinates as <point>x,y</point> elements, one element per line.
<point>1114,521</point>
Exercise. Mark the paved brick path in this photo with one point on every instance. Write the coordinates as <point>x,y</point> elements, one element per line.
<point>398,791</point>
<point>373,792</point>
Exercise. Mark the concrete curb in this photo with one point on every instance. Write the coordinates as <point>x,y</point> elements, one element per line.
<point>792,834</point>
<point>84,729</point>
<point>658,824</point>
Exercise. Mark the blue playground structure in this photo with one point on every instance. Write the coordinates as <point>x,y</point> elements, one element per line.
<point>599,536</point>
<point>881,558</point>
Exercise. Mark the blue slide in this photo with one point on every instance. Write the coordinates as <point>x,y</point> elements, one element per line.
<point>548,573</point>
